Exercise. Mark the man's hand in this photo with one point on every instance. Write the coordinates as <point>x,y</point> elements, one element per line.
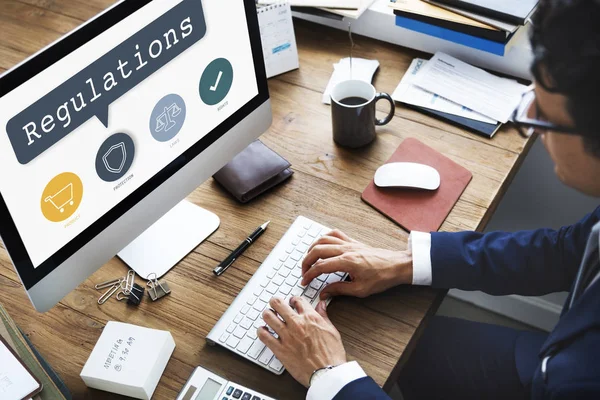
<point>307,340</point>
<point>371,270</point>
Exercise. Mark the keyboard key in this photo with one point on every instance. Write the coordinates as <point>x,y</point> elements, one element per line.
<point>237,394</point>
<point>247,323</point>
<point>255,398</point>
<point>284,272</point>
<point>332,278</point>
<point>259,323</point>
<point>303,248</point>
<point>251,300</point>
<point>308,240</point>
<point>259,305</point>
<point>246,396</point>
<point>297,272</point>
<point>323,277</point>
<point>310,293</point>
<point>231,328</point>
<point>266,356</point>
<point>238,318</point>
<point>276,365</point>
<point>314,231</point>
<point>296,255</point>
<point>283,257</point>
<point>302,233</point>
<point>233,341</point>
<point>285,289</point>
<point>277,267</point>
<point>224,337</point>
<point>289,249</point>
<point>272,288</point>
<point>266,281</point>
<point>253,314</point>
<point>316,284</point>
<point>255,349</point>
<point>290,264</point>
<point>239,332</point>
<point>258,290</point>
<point>291,280</point>
<point>266,297</point>
<point>244,345</point>
<point>340,273</point>
<point>245,309</point>
<point>300,285</point>
<point>295,242</point>
<point>306,224</point>
<point>296,291</point>
<point>252,333</point>
<point>230,390</point>
<point>278,280</point>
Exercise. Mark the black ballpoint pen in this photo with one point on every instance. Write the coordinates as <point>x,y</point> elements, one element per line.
<point>226,263</point>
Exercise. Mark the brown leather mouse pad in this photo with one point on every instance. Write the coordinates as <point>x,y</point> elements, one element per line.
<point>414,209</point>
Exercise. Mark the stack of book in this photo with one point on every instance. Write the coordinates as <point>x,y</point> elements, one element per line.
<point>487,25</point>
<point>53,386</point>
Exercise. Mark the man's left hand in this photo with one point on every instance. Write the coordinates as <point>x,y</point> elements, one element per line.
<point>307,340</point>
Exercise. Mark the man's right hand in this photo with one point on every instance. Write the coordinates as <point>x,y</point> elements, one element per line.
<point>371,270</point>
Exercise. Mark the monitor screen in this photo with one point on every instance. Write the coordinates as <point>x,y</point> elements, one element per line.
<point>100,119</point>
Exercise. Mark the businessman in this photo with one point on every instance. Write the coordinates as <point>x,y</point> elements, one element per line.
<point>457,359</point>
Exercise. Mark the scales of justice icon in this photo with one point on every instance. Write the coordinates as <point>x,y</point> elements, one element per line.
<point>165,121</point>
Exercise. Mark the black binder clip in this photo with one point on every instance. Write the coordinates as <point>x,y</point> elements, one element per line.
<point>136,294</point>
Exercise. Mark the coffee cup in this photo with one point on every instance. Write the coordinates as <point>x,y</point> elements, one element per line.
<point>353,113</point>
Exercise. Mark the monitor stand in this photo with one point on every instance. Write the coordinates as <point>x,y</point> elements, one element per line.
<point>160,247</point>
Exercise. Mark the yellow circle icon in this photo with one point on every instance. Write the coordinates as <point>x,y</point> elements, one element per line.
<point>61,197</point>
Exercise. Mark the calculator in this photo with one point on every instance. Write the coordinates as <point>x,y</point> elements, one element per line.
<point>204,385</point>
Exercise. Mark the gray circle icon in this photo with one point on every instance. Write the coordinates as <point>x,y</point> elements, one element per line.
<point>167,118</point>
<point>115,157</point>
<point>216,81</point>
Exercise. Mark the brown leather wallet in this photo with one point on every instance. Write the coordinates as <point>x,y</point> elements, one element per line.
<point>253,171</point>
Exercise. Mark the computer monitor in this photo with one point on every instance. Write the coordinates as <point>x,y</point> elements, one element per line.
<point>107,129</point>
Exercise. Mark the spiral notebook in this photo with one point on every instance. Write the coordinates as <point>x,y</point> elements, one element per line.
<point>278,39</point>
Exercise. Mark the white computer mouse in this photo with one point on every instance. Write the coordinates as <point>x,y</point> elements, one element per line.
<point>407,175</point>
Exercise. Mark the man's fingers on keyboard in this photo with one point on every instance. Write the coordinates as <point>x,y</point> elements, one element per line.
<point>300,304</point>
<point>273,320</point>
<point>341,235</point>
<point>326,240</point>
<point>269,340</point>
<point>340,289</point>
<point>322,251</point>
<point>282,308</point>
<point>335,264</point>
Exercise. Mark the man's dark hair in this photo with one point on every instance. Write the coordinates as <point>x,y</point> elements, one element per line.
<point>566,43</point>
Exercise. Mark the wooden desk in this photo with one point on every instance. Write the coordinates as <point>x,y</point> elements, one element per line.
<point>326,186</point>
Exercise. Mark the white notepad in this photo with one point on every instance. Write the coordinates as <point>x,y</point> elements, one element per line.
<point>278,39</point>
<point>16,383</point>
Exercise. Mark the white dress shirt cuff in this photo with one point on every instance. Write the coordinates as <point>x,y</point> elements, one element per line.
<point>328,385</point>
<point>420,243</point>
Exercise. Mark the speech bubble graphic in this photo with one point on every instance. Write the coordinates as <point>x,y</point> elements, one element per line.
<point>91,91</point>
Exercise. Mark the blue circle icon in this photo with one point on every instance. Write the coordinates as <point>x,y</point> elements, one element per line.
<point>167,118</point>
<point>216,81</point>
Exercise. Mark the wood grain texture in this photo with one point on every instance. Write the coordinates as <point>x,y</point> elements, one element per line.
<point>326,186</point>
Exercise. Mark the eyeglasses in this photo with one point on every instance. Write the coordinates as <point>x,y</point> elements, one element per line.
<point>526,117</point>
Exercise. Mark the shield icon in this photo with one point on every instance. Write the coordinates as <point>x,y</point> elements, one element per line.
<point>114,159</point>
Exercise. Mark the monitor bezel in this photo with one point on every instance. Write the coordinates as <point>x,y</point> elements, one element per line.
<point>12,79</point>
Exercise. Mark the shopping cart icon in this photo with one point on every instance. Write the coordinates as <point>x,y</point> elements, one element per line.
<point>63,197</point>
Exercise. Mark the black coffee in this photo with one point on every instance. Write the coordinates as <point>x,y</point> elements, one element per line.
<point>353,101</point>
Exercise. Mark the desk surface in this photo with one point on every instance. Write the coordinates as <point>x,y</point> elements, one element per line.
<point>326,186</point>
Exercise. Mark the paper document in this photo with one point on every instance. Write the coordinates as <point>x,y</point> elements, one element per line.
<point>471,87</point>
<point>362,70</point>
<point>408,93</point>
<point>15,381</point>
<point>348,4</point>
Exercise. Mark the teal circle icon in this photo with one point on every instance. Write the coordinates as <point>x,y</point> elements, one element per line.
<point>216,81</point>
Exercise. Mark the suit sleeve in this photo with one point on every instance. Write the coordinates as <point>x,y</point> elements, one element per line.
<point>362,389</point>
<point>530,263</point>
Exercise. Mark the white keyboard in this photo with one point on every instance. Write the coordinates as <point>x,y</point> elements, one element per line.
<point>279,275</point>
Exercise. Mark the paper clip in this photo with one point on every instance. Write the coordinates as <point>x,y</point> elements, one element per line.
<point>106,284</point>
<point>108,294</point>
<point>129,282</point>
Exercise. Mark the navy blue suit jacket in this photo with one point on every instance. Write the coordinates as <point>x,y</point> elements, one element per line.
<point>530,263</point>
